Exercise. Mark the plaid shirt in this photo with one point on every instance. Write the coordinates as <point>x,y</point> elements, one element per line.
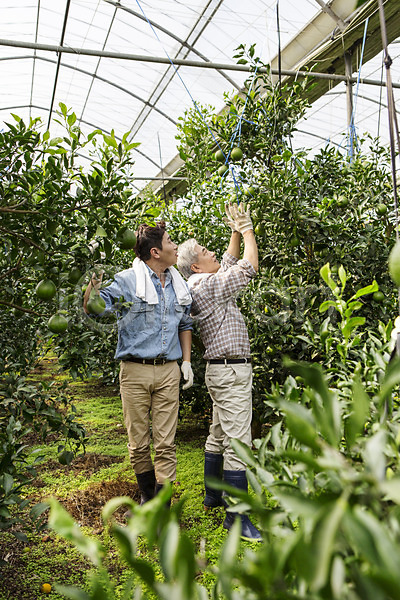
<point>222,327</point>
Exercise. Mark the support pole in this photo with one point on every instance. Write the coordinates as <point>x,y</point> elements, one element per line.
<point>348,64</point>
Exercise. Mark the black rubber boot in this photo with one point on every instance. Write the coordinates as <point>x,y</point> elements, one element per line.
<point>212,468</point>
<point>250,533</point>
<point>146,482</point>
<point>159,487</point>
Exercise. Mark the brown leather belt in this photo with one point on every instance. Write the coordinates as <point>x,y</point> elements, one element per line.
<point>148,361</point>
<point>229,361</point>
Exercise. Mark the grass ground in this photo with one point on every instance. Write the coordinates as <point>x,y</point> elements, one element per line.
<point>87,484</point>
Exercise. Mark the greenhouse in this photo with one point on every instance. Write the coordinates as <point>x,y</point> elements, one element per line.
<point>200,307</point>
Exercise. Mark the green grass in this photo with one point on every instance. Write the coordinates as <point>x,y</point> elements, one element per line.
<point>55,560</point>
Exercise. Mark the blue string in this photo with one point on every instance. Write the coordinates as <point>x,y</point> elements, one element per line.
<point>352,129</point>
<point>194,101</point>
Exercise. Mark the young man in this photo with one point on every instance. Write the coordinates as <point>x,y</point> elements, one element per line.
<point>224,333</point>
<point>154,331</point>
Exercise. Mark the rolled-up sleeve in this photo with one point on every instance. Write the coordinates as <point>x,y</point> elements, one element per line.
<point>186,323</point>
<point>230,279</point>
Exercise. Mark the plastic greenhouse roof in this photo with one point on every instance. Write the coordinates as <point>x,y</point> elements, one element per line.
<point>147,98</point>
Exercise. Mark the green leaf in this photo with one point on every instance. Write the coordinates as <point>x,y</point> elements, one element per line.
<point>169,551</point>
<point>100,232</point>
<point>113,505</point>
<point>342,276</point>
<point>369,289</point>
<point>359,407</point>
<point>8,483</point>
<point>301,425</point>
<point>325,305</point>
<point>244,453</point>
<point>228,559</point>
<point>72,592</point>
<point>351,324</point>
<point>325,273</point>
<point>374,455</point>
<point>63,108</point>
<point>324,540</point>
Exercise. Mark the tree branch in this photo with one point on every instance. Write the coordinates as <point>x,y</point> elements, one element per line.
<point>3,275</point>
<point>22,237</point>
<point>21,308</point>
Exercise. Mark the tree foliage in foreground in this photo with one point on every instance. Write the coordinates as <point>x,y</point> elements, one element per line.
<point>325,492</point>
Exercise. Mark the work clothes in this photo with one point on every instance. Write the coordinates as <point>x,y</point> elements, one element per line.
<point>230,389</point>
<point>151,389</point>
<point>221,324</point>
<point>146,330</point>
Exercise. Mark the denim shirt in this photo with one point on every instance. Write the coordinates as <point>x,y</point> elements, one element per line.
<point>146,330</point>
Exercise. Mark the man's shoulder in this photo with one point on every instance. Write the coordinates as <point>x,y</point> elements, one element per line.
<point>126,274</point>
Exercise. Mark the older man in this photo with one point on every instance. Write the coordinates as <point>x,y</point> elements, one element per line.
<point>154,331</point>
<point>214,287</point>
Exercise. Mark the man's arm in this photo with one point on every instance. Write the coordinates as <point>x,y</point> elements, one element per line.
<point>185,338</point>
<point>250,248</point>
<point>234,244</point>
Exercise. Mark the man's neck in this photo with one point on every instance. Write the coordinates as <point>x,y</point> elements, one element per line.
<point>158,268</point>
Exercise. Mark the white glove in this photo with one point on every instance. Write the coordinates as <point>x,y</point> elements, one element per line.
<point>228,220</point>
<point>241,217</point>
<point>187,373</point>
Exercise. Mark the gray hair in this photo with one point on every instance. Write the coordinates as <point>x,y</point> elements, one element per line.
<point>186,257</point>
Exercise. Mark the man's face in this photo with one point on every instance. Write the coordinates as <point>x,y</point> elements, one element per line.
<point>168,253</point>
<point>206,262</point>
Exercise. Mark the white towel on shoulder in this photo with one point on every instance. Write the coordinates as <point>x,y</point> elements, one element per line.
<point>146,291</point>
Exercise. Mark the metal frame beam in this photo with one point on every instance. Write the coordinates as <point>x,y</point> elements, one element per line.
<point>188,63</point>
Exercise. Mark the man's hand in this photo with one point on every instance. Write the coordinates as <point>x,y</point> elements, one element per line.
<point>241,217</point>
<point>187,373</point>
<point>229,220</point>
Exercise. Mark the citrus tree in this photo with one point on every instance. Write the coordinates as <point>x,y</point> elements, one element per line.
<point>61,220</point>
<point>307,211</point>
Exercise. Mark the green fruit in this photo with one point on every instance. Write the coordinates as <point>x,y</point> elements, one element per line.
<point>74,275</point>
<point>381,209</point>
<point>219,156</point>
<point>45,289</point>
<point>294,241</point>
<point>223,169</point>
<point>342,201</point>
<point>249,191</point>
<point>378,296</point>
<point>65,457</point>
<point>96,305</point>
<point>394,264</point>
<point>259,229</point>
<point>128,240</point>
<point>57,323</point>
<point>236,154</point>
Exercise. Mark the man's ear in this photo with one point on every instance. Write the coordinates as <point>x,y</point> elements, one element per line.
<point>195,268</point>
<point>155,253</point>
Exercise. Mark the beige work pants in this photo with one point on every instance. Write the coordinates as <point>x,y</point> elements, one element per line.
<point>151,389</point>
<point>230,389</point>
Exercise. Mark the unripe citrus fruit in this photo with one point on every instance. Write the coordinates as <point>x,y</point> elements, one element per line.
<point>381,209</point>
<point>57,324</point>
<point>219,156</point>
<point>74,275</point>
<point>249,191</point>
<point>128,240</point>
<point>96,305</point>
<point>378,296</point>
<point>46,588</point>
<point>223,169</point>
<point>294,241</point>
<point>236,154</point>
<point>259,229</point>
<point>394,264</point>
<point>45,289</point>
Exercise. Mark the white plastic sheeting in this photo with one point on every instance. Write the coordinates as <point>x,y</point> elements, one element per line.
<point>147,98</point>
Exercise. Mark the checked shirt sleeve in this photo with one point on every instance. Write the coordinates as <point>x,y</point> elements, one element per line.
<point>233,276</point>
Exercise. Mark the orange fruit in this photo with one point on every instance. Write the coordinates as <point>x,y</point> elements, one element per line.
<point>46,588</point>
